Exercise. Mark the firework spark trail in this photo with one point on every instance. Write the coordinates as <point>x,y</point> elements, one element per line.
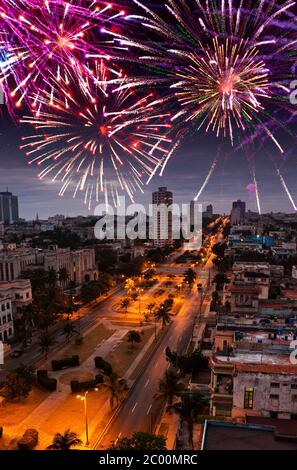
<point>92,144</point>
<point>284,185</point>
<point>256,191</point>
<point>209,175</point>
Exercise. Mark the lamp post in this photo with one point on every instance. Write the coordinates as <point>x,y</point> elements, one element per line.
<point>84,399</point>
<point>139,290</point>
<point>201,291</point>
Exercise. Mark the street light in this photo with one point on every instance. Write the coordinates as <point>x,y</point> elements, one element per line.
<point>139,291</point>
<point>84,399</point>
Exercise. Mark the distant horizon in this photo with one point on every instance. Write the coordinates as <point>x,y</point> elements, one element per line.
<point>88,214</point>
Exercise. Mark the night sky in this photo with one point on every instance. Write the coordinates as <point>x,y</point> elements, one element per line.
<point>184,175</point>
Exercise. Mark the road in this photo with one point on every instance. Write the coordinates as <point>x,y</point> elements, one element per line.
<point>135,414</point>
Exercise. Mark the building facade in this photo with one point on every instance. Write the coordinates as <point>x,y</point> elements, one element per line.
<point>9,208</point>
<point>241,206</point>
<point>80,264</point>
<point>162,217</point>
<point>20,293</point>
<point>6,318</point>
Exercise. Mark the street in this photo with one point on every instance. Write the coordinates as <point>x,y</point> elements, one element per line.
<point>134,415</point>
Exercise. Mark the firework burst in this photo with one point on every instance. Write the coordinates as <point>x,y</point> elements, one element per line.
<point>46,42</point>
<point>97,141</point>
<point>226,63</point>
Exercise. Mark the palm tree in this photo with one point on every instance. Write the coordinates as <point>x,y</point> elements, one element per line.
<point>190,276</point>
<point>52,277</point>
<point>65,441</point>
<point>133,337</point>
<point>190,409</point>
<point>26,321</point>
<point>116,387</point>
<point>45,341</point>
<point>125,304</point>
<point>63,276</point>
<point>68,329</point>
<point>151,307</point>
<point>170,387</point>
<point>163,314</point>
<point>134,295</point>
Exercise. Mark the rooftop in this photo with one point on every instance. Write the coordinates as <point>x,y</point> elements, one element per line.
<point>244,289</point>
<point>219,435</point>
<point>257,361</point>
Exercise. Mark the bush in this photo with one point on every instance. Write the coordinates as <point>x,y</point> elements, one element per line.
<point>47,382</point>
<point>65,363</point>
<point>103,365</point>
<point>29,440</point>
<point>77,386</point>
<point>78,340</point>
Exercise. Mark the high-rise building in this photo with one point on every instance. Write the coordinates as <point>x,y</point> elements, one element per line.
<point>9,208</point>
<point>209,210</point>
<point>241,206</point>
<point>235,218</point>
<point>162,216</point>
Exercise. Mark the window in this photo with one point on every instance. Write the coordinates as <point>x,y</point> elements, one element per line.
<point>9,317</point>
<point>274,385</point>
<point>248,398</point>
<point>294,397</point>
<point>273,396</point>
<point>294,386</point>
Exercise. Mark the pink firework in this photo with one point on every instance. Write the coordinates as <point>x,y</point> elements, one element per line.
<point>46,42</point>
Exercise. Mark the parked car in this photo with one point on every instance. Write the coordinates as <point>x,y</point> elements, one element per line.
<point>16,353</point>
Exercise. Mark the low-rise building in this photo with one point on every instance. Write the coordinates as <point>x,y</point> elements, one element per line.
<point>252,374</point>
<point>244,298</point>
<point>281,254</point>
<point>19,291</point>
<point>80,264</point>
<point>6,318</point>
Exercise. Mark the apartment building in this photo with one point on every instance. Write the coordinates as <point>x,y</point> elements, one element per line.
<point>6,318</point>
<point>252,374</point>
<point>19,291</point>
